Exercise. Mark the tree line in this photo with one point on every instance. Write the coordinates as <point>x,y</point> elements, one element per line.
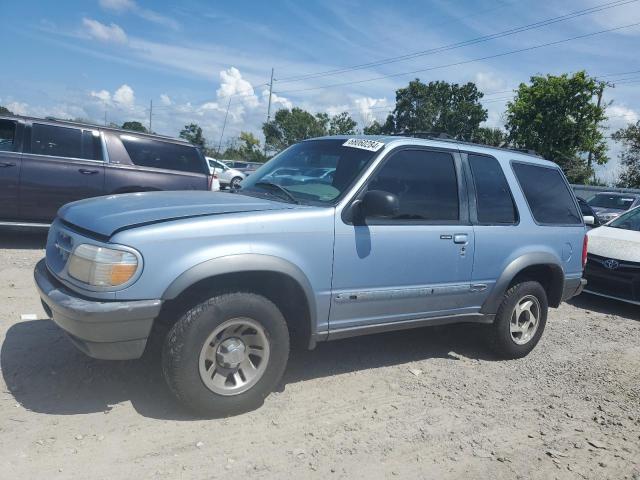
<point>561,117</point>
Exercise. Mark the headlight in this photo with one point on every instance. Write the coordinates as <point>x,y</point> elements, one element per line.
<point>101,266</point>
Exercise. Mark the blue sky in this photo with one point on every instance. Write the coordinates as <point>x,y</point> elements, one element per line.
<point>85,58</point>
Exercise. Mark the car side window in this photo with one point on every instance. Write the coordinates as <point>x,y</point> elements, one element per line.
<point>91,145</point>
<point>493,196</point>
<point>547,194</point>
<point>147,152</point>
<point>56,141</point>
<point>425,183</point>
<point>7,135</point>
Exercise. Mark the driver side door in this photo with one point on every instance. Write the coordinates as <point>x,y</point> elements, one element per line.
<point>415,265</point>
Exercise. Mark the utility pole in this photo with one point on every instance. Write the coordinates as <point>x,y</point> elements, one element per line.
<point>223,127</point>
<point>105,117</point>
<point>598,104</point>
<point>150,113</point>
<point>268,110</point>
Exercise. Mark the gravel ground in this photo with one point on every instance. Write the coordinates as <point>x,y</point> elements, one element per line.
<point>428,403</point>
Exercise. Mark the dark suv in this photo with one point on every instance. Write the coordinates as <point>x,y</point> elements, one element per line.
<point>47,163</point>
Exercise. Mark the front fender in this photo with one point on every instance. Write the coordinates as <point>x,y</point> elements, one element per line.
<point>247,262</point>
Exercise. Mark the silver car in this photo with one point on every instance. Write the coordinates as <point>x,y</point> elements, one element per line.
<point>229,177</point>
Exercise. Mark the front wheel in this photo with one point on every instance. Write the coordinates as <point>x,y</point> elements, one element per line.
<point>235,183</point>
<point>520,321</point>
<point>224,356</point>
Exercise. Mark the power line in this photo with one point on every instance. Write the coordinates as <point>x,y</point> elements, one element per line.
<point>452,46</point>
<point>464,62</point>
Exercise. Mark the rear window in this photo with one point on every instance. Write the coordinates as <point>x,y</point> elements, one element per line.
<point>547,194</point>
<point>148,152</point>
<point>493,196</point>
<point>607,200</point>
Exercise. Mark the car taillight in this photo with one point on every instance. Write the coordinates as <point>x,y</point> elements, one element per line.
<point>585,242</point>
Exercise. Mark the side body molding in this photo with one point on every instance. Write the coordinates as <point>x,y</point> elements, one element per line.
<point>492,302</point>
<point>249,262</point>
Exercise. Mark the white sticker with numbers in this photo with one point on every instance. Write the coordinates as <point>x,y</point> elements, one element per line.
<point>363,144</point>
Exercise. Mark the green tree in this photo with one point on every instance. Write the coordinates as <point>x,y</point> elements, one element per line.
<point>558,117</point>
<point>193,133</point>
<point>291,126</point>
<point>490,136</point>
<point>135,126</point>
<point>245,147</point>
<point>374,128</point>
<point>5,111</point>
<point>630,155</point>
<point>342,124</point>
<point>438,107</point>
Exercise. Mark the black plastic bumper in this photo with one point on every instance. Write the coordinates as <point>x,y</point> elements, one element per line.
<point>114,330</point>
<point>573,287</point>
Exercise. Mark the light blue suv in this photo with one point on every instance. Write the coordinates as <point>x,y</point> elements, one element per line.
<point>409,232</point>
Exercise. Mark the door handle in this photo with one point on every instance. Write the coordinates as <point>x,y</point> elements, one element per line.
<point>84,171</point>
<point>7,164</point>
<point>460,238</point>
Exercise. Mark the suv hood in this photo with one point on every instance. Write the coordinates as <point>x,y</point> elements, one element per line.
<point>107,215</point>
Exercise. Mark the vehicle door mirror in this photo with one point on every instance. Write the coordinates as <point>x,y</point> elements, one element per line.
<point>589,220</point>
<point>378,204</point>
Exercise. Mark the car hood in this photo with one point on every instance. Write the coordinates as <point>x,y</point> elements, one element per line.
<point>107,215</point>
<point>615,243</point>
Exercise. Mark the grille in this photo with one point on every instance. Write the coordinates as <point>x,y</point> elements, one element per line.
<point>622,281</point>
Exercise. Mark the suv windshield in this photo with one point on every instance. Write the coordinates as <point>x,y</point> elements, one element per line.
<point>314,171</point>
<point>627,221</point>
<point>607,200</point>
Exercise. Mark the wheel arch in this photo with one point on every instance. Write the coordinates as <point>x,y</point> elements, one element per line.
<point>279,280</point>
<point>543,267</point>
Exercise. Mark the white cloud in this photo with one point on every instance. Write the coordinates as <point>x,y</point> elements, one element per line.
<point>165,99</point>
<point>488,82</point>
<point>276,100</point>
<point>124,96</point>
<point>122,6</point>
<point>19,108</point>
<point>104,33</point>
<point>365,107</point>
<point>232,84</point>
<point>102,95</point>
<point>619,114</point>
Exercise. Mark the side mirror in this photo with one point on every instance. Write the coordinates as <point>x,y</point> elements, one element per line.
<point>378,204</point>
<point>589,220</point>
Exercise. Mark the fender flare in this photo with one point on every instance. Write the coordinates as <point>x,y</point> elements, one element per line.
<point>249,262</point>
<point>491,304</point>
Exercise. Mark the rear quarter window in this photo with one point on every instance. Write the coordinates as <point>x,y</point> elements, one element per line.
<point>547,194</point>
<point>153,153</point>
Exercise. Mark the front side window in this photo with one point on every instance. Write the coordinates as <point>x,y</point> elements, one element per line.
<point>493,196</point>
<point>425,183</point>
<point>7,135</point>
<point>313,171</point>
<point>56,141</point>
<point>148,152</point>
<point>547,194</point>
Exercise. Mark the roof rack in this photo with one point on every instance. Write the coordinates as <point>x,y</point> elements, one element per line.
<point>448,138</point>
<point>92,125</point>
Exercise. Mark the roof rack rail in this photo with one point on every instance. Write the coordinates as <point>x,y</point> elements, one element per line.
<point>448,138</point>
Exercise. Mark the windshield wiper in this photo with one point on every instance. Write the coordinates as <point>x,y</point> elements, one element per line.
<point>280,188</point>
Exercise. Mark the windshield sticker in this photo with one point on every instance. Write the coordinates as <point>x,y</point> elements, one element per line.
<point>363,144</point>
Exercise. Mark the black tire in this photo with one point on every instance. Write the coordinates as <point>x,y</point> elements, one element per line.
<point>500,337</point>
<point>184,342</point>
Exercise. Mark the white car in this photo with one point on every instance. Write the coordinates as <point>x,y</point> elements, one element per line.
<point>613,259</point>
<point>229,177</point>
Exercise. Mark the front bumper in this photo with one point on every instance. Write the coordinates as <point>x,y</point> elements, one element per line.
<point>108,330</point>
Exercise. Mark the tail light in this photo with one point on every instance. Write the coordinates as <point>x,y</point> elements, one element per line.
<point>211,179</point>
<point>585,242</point>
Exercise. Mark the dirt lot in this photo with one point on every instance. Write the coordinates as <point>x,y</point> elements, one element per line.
<point>430,403</point>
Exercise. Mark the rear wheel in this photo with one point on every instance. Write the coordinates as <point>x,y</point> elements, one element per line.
<point>235,182</point>
<point>520,321</point>
<point>224,356</point>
